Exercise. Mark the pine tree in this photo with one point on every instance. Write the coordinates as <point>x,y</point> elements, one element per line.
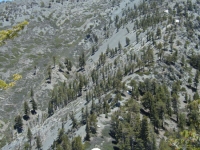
<point>93,122</point>
<point>26,146</point>
<point>196,79</point>
<point>82,60</point>
<point>50,109</point>
<point>164,145</point>
<point>186,97</point>
<point>144,132</point>
<point>32,93</point>
<point>54,61</point>
<point>127,41</point>
<point>87,129</point>
<point>119,45</point>
<point>158,33</point>
<point>175,104</point>
<point>137,37</point>
<point>74,121</point>
<point>77,144</point>
<point>38,143</point>
<point>66,145</point>
<point>18,123</point>
<point>147,101</point>
<point>196,96</point>
<point>60,135</point>
<point>34,106</point>
<point>26,109</point>
<point>29,135</point>
<point>69,66</point>
<point>182,121</point>
<point>86,112</point>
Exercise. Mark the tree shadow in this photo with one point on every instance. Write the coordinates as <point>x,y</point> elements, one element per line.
<point>185,101</point>
<point>19,130</point>
<point>33,112</point>
<point>112,135</point>
<point>115,148</point>
<point>142,111</point>
<point>122,94</point>
<point>81,70</point>
<point>192,88</point>
<point>173,119</point>
<point>26,117</point>
<point>114,142</point>
<point>48,81</point>
<point>60,70</point>
<point>126,45</point>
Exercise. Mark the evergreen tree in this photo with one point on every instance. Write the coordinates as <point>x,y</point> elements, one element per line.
<point>66,145</point>
<point>196,96</point>
<point>77,144</point>
<point>69,66</point>
<point>175,104</point>
<point>137,37</point>
<point>38,143</point>
<point>196,79</point>
<point>158,33</point>
<point>32,93</point>
<point>147,101</point>
<point>127,41</point>
<point>119,45</point>
<point>164,145</point>
<point>29,135</point>
<point>186,97</point>
<point>60,135</point>
<point>18,123</point>
<point>82,60</point>
<point>93,123</point>
<point>87,129</point>
<point>54,61</point>
<point>26,109</point>
<point>34,106</point>
<point>139,145</point>
<point>74,121</point>
<point>144,132</point>
<point>50,109</point>
<point>26,146</point>
<point>182,121</point>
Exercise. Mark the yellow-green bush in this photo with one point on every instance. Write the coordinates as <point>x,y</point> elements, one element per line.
<point>16,77</point>
<point>4,85</point>
<point>10,33</point>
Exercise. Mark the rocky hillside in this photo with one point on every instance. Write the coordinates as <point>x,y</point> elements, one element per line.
<point>102,70</point>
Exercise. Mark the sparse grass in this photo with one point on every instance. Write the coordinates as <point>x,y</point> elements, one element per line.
<point>31,56</point>
<point>41,33</point>
<point>57,42</point>
<point>143,73</point>
<point>78,24</point>
<point>38,41</point>
<point>8,108</point>
<point>1,126</point>
<point>107,146</point>
<point>15,51</point>
<point>105,131</point>
<point>2,142</point>
<point>87,145</point>
<point>2,59</point>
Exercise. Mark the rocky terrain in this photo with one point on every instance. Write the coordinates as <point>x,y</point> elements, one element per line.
<point>157,49</point>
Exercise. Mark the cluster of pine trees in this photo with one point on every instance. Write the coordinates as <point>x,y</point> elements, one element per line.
<point>18,119</point>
